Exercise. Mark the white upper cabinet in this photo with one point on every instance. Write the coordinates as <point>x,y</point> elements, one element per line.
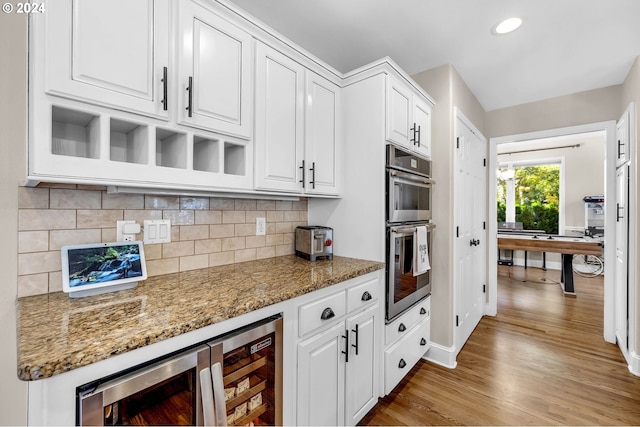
<point>279,121</point>
<point>408,118</point>
<point>112,53</point>
<point>321,135</point>
<point>297,126</point>
<point>214,78</point>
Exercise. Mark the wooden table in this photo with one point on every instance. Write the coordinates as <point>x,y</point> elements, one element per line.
<point>567,246</point>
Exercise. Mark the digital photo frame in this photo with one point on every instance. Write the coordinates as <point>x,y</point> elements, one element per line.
<point>97,268</point>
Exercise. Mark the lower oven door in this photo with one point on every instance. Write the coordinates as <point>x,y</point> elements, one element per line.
<point>163,393</point>
<point>403,287</point>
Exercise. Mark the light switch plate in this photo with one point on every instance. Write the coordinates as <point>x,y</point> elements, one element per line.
<point>157,231</point>
<point>261,226</point>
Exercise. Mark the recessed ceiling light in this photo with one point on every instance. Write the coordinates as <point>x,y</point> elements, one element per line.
<point>507,26</point>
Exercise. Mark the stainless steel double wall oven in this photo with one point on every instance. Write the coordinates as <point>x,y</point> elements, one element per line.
<point>408,195</point>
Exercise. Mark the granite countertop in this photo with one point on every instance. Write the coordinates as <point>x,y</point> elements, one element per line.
<point>57,334</point>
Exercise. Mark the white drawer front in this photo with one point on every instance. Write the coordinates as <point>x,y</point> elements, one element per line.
<point>363,295</point>
<point>401,326</point>
<point>321,312</point>
<point>402,356</point>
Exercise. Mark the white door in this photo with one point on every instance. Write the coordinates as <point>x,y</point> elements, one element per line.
<point>361,386</point>
<point>422,124</point>
<point>622,249</point>
<point>321,367</point>
<point>399,104</point>
<point>109,52</point>
<point>279,121</point>
<point>321,135</point>
<point>622,139</point>
<point>215,73</point>
<point>470,223</point>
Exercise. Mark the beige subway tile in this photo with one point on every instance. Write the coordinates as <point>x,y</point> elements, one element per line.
<point>283,227</point>
<point>303,216</point>
<point>299,205</point>
<point>221,204</point>
<point>243,255</point>
<point>220,258</point>
<point>289,238</point>
<point>139,215</point>
<point>195,203</point>
<point>59,238</point>
<point>153,251</point>
<point>297,224</point>
<point>208,246</point>
<point>251,216</point>
<point>233,243</point>
<point>233,217</point>
<point>282,205</point>
<point>74,199</point>
<point>245,229</point>
<point>122,201</point>
<point>194,262</point>
<point>39,262</point>
<point>158,267</point>
<point>285,250</point>
<point>33,284</point>
<point>271,228</point>
<point>55,281</point>
<point>208,217</point>
<point>245,205</point>
<point>33,198</point>
<point>265,252</point>
<point>161,202</point>
<point>111,235</point>
<point>179,217</point>
<point>177,249</point>
<point>175,233</point>
<point>275,216</point>
<point>194,232</point>
<point>46,219</point>
<point>221,230</point>
<point>33,241</point>
<point>290,216</point>
<point>274,239</point>
<point>95,218</point>
<point>266,205</point>
<point>255,241</point>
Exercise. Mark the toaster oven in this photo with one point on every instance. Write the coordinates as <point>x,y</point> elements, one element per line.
<point>313,242</point>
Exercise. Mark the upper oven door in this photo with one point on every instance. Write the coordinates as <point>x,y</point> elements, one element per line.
<point>408,197</point>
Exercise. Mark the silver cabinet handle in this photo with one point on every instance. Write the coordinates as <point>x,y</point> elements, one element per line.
<point>206,390</point>
<point>218,394</point>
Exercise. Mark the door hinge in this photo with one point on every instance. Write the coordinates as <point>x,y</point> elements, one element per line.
<point>484,289</point>
<point>458,142</point>
<point>457,231</point>
<point>456,320</point>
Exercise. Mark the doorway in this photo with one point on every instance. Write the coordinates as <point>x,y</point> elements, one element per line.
<point>607,131</point>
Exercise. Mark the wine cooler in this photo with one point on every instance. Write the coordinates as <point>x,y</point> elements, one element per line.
<point>234,380</point>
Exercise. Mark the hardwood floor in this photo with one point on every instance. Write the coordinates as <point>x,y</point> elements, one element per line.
<point>541,361</point>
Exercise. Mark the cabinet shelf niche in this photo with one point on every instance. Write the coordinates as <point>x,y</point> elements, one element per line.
<point>74,133</point>
<point>206,154</point>
<point>128,142</point>
<point>171,149</point>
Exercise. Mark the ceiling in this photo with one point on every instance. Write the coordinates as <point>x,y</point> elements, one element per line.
<point>563,46</point>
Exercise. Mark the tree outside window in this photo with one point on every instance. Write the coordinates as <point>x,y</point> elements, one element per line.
<point>536,195</point>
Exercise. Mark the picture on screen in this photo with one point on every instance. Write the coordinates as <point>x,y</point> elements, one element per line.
<point>95,265</point>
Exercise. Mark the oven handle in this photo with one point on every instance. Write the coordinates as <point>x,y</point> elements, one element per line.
<point>411,177</point>
<point>403,229</point>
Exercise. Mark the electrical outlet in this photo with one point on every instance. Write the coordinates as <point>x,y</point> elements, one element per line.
<point>261,226</point>
<point>126,231</point>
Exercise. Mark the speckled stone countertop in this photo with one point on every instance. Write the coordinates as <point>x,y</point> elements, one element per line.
<point>57,334</point>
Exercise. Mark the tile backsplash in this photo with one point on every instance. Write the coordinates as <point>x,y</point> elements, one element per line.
<point>205,231</point>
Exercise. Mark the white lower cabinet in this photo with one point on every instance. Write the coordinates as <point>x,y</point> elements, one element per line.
<point>338,366</point>
<point>408,339</point>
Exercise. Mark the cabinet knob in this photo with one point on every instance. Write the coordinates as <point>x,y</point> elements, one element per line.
<point>366,296</point>
<point>423,342</point>
<point>402,328</point>
<point>423,310</point>
<point>327,313</point>
<point>402,364</point>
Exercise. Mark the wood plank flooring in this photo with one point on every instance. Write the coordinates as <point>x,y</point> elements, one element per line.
<point>541,361</point>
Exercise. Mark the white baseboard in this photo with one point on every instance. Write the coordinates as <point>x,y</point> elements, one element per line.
<point>634,364</point>
<point>440,355</point>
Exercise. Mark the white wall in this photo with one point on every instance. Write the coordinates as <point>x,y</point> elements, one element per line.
<point>13,116</point>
